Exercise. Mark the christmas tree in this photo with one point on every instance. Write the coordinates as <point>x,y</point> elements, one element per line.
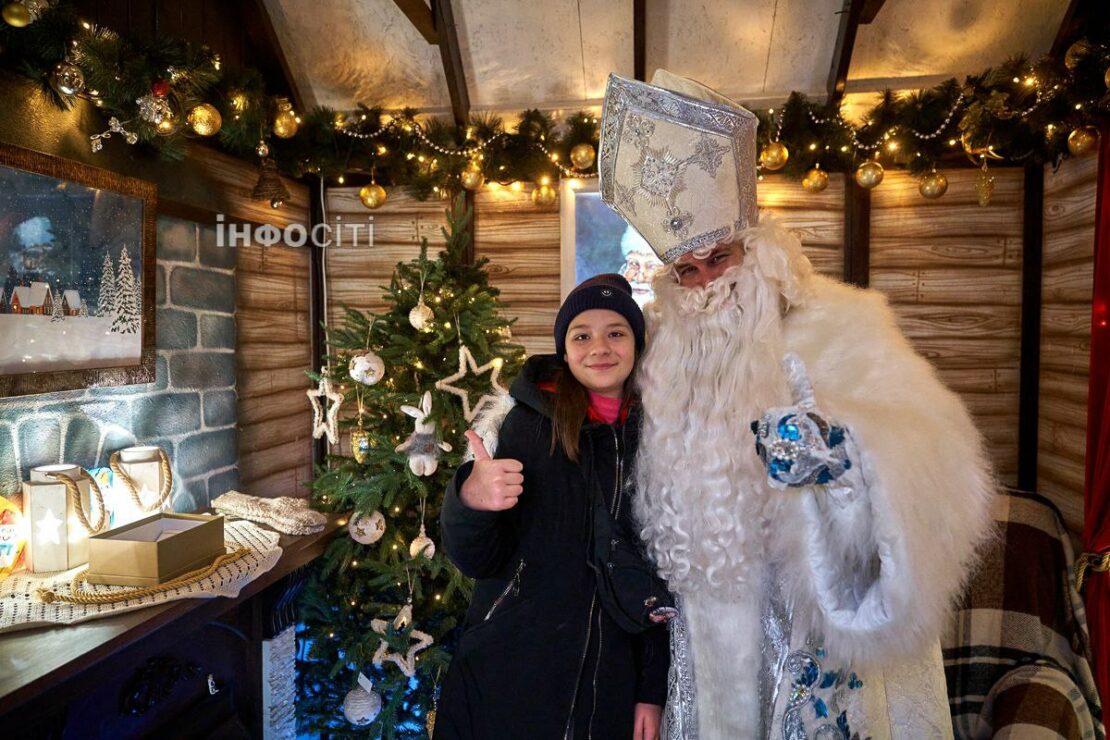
<point>126,299</point>
<point>56,313</point>
<point>385,598</point>
<point>106,303</point>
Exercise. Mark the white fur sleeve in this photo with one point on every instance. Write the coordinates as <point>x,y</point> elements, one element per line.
<point>877,567</point>
<point>488,423</point>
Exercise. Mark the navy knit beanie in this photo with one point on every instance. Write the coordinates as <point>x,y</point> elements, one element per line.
<point>609,291</point>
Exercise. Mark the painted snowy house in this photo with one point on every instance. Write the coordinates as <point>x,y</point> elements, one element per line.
<point>71,303</point>
<point>33,299</point>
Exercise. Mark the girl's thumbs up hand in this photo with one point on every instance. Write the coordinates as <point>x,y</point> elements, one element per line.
<point>493,484</point>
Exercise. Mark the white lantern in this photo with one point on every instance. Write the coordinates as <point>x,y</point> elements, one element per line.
<point>56,538</point>
<point>140,472</point>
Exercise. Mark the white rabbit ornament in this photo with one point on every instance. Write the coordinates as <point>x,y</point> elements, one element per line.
<point>421,446</point>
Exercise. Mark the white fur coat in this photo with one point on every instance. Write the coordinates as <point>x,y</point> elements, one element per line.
<point>869,566</point>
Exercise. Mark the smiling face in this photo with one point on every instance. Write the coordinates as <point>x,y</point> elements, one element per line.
<point>601,351</point>
<point>694,272</point>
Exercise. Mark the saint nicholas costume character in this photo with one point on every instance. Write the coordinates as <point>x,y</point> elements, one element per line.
<point>810,490</point>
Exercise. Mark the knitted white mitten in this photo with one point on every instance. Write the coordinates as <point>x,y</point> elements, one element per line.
<point>285,514</point>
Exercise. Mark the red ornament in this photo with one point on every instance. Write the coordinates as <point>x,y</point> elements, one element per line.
<point>160,88</point>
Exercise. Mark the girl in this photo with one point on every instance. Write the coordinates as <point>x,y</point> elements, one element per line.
<point>539,657</point>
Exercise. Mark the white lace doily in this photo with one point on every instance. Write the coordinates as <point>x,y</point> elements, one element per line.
<point>21,609</point>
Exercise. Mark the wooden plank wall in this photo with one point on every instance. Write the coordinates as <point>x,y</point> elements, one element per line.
<point>952,272</point>
<point>356,275</point>
<point>273,349</point>
<point>817,219</point>
<point>1067,284</point>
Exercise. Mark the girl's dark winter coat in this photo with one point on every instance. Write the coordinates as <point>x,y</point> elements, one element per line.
<point>539,657</point>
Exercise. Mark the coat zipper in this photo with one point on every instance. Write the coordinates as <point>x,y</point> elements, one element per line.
<point>514,586</point>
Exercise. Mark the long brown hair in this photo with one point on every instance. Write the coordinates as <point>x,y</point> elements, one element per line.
<point>569,403</point>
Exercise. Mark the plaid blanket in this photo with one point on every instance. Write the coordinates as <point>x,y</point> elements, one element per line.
<point>1017,656</point>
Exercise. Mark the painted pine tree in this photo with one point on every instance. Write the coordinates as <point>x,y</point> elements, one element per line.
<point>127,314</point>
<point>56,313</point>
<point>106,303</point>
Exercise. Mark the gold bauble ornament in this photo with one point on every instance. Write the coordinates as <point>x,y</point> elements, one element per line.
<point>285,120</point>
<point>360,445</point>
<point>68,79</point>
<point>774,156</point>
<point>16,15</point>
<point>544,196</point>
<point>582,156</point>
<point>472,178</point>
<point>869,174</point>
<point>1083,141</point>
<point>372,195</point>
<point>815,180</point>
<point>263,149</point>
<point>1075,54</point>
<point>420,316</point>
<point>1106,77</point>
<point>204,120</point>
<point>933,185</point>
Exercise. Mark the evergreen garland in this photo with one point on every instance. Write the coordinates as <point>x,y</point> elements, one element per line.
<point>1022,111</point>
<point>355,583</point>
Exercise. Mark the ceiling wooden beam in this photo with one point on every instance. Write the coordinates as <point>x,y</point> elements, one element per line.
<point>842,53</point>
<point>259,32</point>
<point>871,9</point>
<point>639,42</point>
<point>451,54</point>
<point>420,15</point>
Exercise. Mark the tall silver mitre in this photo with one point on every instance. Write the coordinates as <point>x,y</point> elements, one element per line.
<point>677,161</point>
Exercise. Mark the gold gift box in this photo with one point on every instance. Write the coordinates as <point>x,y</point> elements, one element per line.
<point>156,549</point>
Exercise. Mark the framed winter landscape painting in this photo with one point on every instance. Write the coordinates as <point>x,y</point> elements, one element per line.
<point>77,297</point>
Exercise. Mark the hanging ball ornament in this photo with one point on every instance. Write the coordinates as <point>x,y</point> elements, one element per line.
<point>160,88</point>
<point>422,545</point>
<point>372,195</point>
<point>285,120</point>
<point>815,180</point>
<point>773,156</point>
<point>16,15</point>
<point>361,707</point>
<point>420,316</point>
<point>67,78</point>
<point>582,156</point>
<point>933,185</point>
<point>1083,141</point>
<point>472,178</point>
<point>1075,54</point>
<point>204,120</point>
<point>263,149</point>
<point>544,196</point>
<point>360,445</point>
<point>869,174</point>
<point>1106,77</point>
<point>366,368</point>
<point>366,529</point>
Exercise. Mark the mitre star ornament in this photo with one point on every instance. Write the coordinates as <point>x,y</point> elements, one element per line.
<point>405,661</point>
<point>325,413</point>
<point>467,363</point>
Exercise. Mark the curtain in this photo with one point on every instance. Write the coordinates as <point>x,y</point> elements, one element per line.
<point>1096,506</point>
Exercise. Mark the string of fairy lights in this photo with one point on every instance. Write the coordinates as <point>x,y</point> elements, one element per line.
<point>173,91</point>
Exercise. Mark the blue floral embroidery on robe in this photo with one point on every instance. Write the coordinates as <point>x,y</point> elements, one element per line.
<point>815,696</point>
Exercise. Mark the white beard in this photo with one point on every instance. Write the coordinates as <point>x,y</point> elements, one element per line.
<point>711,368</point>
